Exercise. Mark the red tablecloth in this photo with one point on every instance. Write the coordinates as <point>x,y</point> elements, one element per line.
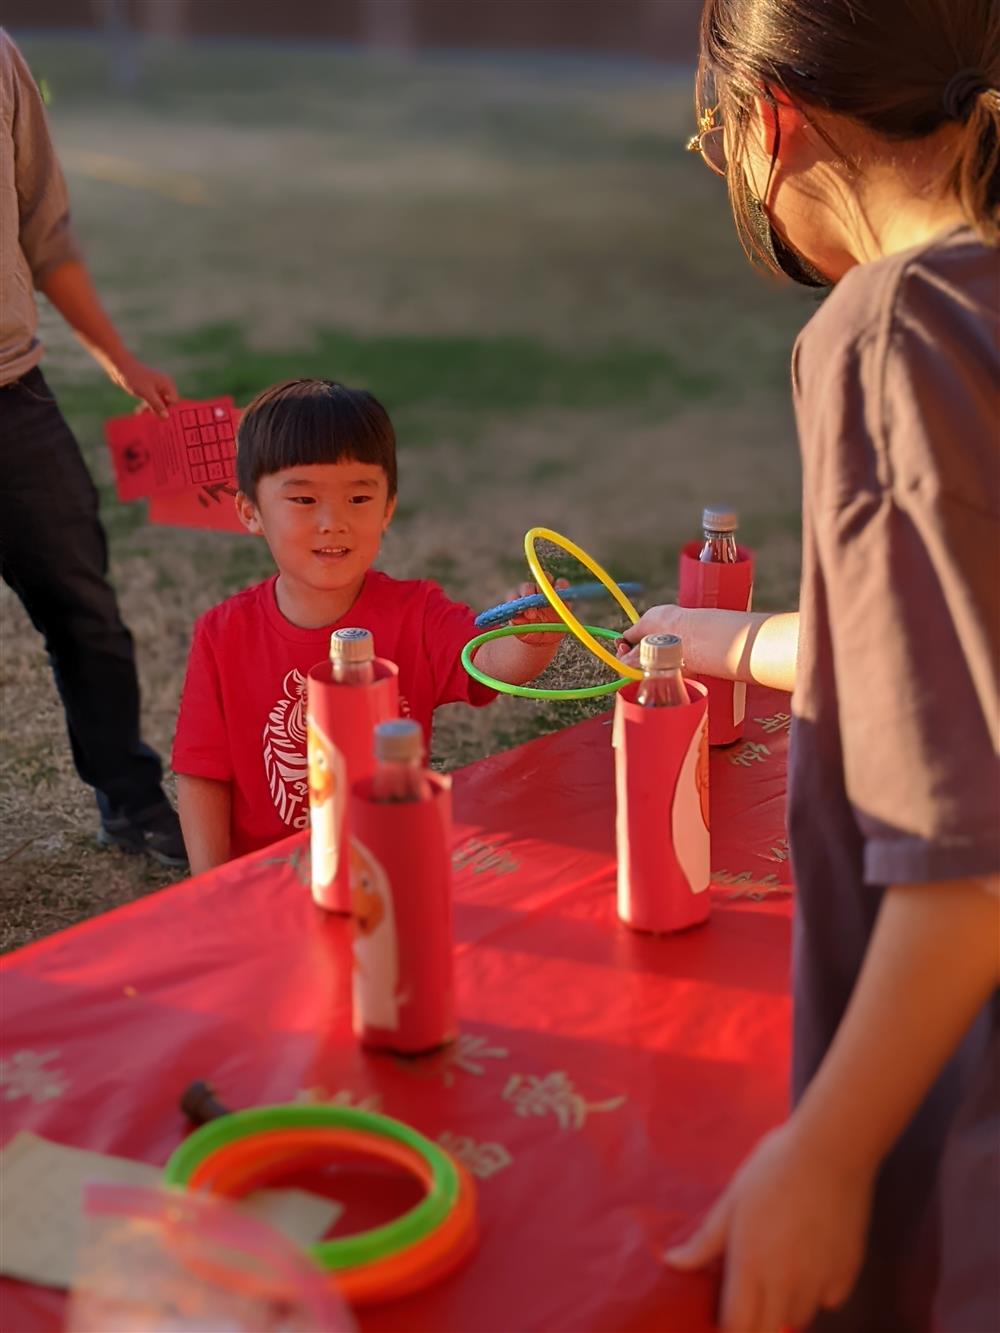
<point>604,1084</point>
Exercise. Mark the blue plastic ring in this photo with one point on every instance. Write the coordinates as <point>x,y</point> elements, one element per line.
<point>499,615</point>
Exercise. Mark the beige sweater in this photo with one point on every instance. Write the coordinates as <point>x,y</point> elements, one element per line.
<point>35,232</point>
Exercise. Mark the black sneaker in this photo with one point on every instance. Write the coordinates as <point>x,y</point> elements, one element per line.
<point>154,832</point>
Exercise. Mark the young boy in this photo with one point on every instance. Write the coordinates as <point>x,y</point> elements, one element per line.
<point>316,470</point>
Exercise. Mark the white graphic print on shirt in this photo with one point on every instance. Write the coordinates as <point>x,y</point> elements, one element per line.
<point>285,752</point>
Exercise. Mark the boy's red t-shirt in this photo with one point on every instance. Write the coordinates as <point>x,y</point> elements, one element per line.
<point>242,716</point>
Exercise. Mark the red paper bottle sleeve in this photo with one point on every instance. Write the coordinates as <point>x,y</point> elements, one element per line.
<point>662,819</point>
<point>730,588</point>
<point>403,988</point>
<point>340,723</point>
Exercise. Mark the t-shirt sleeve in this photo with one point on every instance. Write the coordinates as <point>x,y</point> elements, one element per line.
<point>201,743</point>
<point>44,231</point>
<point>448,627</point>
<point>901,507</point>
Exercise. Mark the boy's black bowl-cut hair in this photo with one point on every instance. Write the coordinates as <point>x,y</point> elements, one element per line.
<point>300,422</point>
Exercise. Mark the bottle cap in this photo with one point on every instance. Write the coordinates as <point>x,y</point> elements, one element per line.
<point>399,742</point>
<point>661,652</point>
<point>717,518</point>
<point>352,645</point>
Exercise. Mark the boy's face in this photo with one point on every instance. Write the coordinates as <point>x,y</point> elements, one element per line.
<point>323,522</point>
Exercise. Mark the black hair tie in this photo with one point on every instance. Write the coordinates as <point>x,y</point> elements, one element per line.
<point>961,91</point>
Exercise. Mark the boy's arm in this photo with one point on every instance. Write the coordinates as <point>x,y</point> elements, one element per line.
<point>519,658</point>
<point>752,646</point>
<point>204,806</point>
<point>73,294</point>
<point>201,755</point>
<point>792,1224</point>
<point>514,660</point>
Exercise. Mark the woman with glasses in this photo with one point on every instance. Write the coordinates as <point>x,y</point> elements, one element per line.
<point>860,144</point>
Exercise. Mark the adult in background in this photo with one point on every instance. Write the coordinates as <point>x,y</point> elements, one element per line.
<point>53,550</point>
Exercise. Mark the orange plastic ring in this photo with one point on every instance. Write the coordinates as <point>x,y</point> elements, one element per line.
<point>242,1166</point>
<point>269,1156</point>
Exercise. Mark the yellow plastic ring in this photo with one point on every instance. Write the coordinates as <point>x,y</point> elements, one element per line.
<point>575,626</point>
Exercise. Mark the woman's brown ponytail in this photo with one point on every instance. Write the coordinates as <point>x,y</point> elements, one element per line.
<point>976,174</point>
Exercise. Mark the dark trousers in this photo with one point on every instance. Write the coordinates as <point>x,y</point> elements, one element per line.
<point>53,553</point>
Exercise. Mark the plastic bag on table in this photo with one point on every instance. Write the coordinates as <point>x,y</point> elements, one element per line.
<point>164,1261</point>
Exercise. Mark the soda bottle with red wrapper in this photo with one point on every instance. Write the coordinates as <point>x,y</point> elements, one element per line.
<point>662,685</point>
<point>403,988</point>
<point>717,573</point>
<point>399,763</point>
<point>719,529</point>
<point>347,696</point>
<point>660,741</point>
<point>352,657</point>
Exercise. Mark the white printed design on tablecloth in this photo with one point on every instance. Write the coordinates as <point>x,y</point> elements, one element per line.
<point>285,762</point>
<point>689,816</point>
<point>376,953</point>
<point>327,793</point>
<point>26,1074</point>
<point>469,1050</point>
<point>344,1097</point>
<point>482,1159</point>
<point>779,852</point>
<point>555,1094</point>
<point>754,888</point>
<point>776,722</point>
<point>481,857</point>
<point>463,1056</point>
<point>751,752</point>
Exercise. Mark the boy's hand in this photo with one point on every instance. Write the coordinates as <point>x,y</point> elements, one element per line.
<point>156,389</point>
<point>539,615</point>
<point>792,1227</point>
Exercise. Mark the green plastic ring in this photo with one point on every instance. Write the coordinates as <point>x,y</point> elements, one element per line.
<point>349,1251</point>
<point>528,691</point>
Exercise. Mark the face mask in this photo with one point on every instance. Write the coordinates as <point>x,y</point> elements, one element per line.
<point>791,263</point>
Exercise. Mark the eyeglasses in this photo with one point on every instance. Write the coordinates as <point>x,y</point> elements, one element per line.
<point>710,142</point>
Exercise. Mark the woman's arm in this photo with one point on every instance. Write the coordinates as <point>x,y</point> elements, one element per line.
<point>204,806</point>
<point>752,646</point>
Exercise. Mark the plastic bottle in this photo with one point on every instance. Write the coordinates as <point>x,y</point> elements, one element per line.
<point>352,657</point>
<point>403,978</point>
<point>719,526</point>
<point>662,685</point>
<point>399,763</point>
<point>347,696</point>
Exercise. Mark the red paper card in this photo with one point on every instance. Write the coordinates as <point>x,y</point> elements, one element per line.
<point>198,507</point>
<point>194,447</point>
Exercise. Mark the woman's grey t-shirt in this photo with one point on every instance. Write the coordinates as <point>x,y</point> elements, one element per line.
<point>894,775</point>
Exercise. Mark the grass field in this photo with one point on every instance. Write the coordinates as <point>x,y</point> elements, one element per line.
<point>515,255</point>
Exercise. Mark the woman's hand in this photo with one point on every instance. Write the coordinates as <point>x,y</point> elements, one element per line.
<point>667,619</point>
<point>791,1228</point>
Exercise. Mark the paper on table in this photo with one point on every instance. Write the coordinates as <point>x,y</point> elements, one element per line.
<point>41,1205</point>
